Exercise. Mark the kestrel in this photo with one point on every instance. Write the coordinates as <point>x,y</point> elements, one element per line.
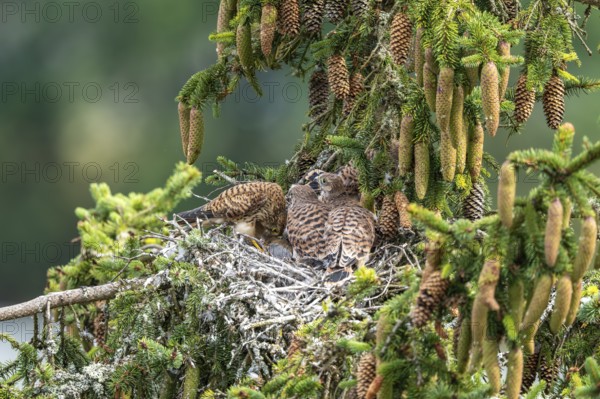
<point>256,209</point>
<point>349,176</point>
<point>306,218</point>
<point>349,231</point>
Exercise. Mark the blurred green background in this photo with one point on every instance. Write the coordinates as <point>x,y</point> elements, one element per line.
<point>87,96</point>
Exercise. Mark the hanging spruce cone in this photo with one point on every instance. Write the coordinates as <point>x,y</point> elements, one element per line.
<point>548,371</point>
<point>290,18</point>
<point>100,324</point>
<point>586,247</point>
<point>554,101</point>
<point>524,100</point>
<point>490,99</point>
<point>335,10</point>
<point>503,50</point>
<point>313,16</point>
<point>196,138</point>
<point>400,37</point>
<point>352,394</point>
<point>405,145</point>
<point>359,7</point>
<point>388,221</point>
<point>243,39</point>
<point>357,86</point>
<point>422,168</point>
<point>419,57</point>
<point>511,7</point>
<point>474,204</point>
<point>553,232</point>
<point>443,100</point>
<point>268,24</point>
<point>184,125</point>
<point>337,73</point>
<point>431,295</point>
<point>430,79</point>
<point>530,371</point>
<point>562,303</point>
<point>366,373</point>
<point>226,10</point>
<point>318,93</point>
<point>507,189</point>
<point>475,150</point>
<point>402,202</point>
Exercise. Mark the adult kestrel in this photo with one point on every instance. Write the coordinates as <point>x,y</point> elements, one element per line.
<point>256,209</point>
<point>306,219</point>
<point>349,231</point>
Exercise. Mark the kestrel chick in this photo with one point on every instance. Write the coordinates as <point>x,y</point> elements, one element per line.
<point>306,223</point>
<point>256,209</point>
<point>350,228</point>
<point>349,176</point>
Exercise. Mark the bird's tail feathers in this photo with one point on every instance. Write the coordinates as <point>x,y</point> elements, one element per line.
<point>199,213</point>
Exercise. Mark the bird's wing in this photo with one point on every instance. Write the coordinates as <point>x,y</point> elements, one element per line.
<point>239,202</point>
<point>306,228</point>
<point>350,235</point>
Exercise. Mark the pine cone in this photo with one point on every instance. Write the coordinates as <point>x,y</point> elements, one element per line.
<point>352,394</point>
<point>524,100</point>
<point>357,85</point>
<point>554,101</point>
<point>335,10</point>
<point>530,371</point>
<point>196,137</point>
<point>512,8</point>
<point>268,23</point>
<point>431,294</point>
<point>548,371</point>
<point>305,162</point>
<point>226,10</point>
<point>359,7</point>
<point>422,168</point>
<point>400,38</point>
<point>243,40</point>
<point>294,347</point>
<point>490,99</point>
<point>318,93</point>
<point>474,204</point>
<point>313,16</point>
<point>388,221</point>
<point>289,23</point>
<point>100,325</point>
<point>366,373</point>
<point>184,125</point>
<point>402,202</point>
<point>337,73</point>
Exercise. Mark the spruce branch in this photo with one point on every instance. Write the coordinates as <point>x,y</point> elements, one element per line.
<point>584,159</point>
<point>71,297</point>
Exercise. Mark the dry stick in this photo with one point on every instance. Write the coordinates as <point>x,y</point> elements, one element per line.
<point>595,3</point>
<point>70,297</point>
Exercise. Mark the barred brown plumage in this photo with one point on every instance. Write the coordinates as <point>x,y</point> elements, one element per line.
<point>313,16</point>
<point>553,100</point>
<point>524,100</point>
<point>337,73</point>
<point>400,37</point>
<point>474,204</point>
<point>430,297</point>
<point>350,228</point>
<point>255,208</point>
<point>306,218</point>
<point>290,18</point>
<point>366,373</point>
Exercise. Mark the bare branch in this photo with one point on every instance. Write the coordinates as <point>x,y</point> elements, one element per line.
<point>66,298</point>
<point>595,3</point>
